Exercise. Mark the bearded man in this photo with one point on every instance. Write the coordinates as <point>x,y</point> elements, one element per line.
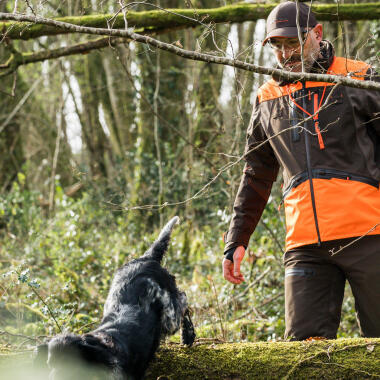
<point>326,139</point>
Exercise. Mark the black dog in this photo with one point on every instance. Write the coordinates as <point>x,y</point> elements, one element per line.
<point>143,305</point>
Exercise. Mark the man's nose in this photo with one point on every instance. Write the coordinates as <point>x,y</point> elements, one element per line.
<point>286,52</point>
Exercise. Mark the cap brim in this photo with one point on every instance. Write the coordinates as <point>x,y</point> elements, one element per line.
<point>288,32</point>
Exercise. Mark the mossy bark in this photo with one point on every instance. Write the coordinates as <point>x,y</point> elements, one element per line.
<point>172,18</point>
<point>329,359</point>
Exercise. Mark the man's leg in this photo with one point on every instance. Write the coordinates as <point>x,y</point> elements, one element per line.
<point>361,264</point>
<point>314,289</point>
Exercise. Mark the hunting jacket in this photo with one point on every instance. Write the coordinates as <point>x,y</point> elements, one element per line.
<point>330,163</point>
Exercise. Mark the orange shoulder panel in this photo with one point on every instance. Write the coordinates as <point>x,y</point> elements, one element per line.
<point>349,67</point>
<point>270,90</point>
<point>340,66</point>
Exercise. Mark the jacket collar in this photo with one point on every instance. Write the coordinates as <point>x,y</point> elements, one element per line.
<point>321,65</point>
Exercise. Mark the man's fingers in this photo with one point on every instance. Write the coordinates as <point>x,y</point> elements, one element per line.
<point>237,268</point>
<point>227,269</point>
<point>238,257</point>
<point>231,270</point>
<point>228,272</point>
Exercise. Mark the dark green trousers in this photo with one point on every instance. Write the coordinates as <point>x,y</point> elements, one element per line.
<point>314,287</point>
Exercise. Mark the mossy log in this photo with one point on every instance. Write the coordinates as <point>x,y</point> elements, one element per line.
<point>174,18</point>
<point>327,359</point>
<point>322,359</point>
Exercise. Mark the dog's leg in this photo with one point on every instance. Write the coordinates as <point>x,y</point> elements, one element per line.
<point>187,330</point>
<point>187,327</point>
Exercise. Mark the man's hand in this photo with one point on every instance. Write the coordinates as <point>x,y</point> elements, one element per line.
<point>231,270</point>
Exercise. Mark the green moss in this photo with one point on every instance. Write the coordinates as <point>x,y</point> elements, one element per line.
<point>330,359</point>
<point>338,359</point>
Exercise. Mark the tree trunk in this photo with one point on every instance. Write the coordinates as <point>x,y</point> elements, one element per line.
<point>91,80</point>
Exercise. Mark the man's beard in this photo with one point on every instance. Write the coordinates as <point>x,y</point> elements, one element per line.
<point>294,63</point>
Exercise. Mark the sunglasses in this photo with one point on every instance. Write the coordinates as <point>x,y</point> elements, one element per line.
<point>287,43</point>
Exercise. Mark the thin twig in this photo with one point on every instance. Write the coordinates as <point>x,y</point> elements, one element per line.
<point>156,134</point>
<point>23,100</point>
<point>162,119</point>
<point>33,338</point>
<point>218,308</point>
<point>221,171</point>
<point>253,283</point>
<point>322,353</point>
<point>47,306</point>
<point>333,252</point>
<point>301,41</point>
<point>274,237</point>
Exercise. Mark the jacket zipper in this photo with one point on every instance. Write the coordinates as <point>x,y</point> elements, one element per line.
<point>308,163</point>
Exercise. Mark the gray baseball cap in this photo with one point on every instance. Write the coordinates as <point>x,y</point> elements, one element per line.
<point>281,22</point>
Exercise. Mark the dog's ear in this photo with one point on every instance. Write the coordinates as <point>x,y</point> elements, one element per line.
<point>76,355</point>
<point>94,351</point>
<point>41,356</point>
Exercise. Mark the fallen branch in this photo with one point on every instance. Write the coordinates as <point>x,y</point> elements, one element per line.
<point>364,84</point>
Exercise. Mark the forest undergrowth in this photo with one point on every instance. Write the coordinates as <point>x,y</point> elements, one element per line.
<point>55,270</point>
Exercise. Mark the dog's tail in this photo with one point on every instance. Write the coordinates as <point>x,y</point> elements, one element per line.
<point>159,247</point>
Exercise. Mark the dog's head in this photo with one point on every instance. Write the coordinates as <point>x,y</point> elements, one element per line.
<point>73,357</point>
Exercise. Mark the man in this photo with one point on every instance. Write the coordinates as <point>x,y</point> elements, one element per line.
<point>330,159</point>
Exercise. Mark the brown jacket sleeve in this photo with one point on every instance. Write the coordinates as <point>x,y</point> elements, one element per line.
<point>259,174</point>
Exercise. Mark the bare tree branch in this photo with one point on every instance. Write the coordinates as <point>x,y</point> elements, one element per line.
<point>18,59</point>
<point>369,85</point>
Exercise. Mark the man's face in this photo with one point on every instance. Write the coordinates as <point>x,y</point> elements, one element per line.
<point>288,50</point>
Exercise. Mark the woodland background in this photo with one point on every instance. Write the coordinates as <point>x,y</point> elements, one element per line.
<point>107,146</point>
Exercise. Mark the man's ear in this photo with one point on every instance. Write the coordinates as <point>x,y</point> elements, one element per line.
<point>318,32</point>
